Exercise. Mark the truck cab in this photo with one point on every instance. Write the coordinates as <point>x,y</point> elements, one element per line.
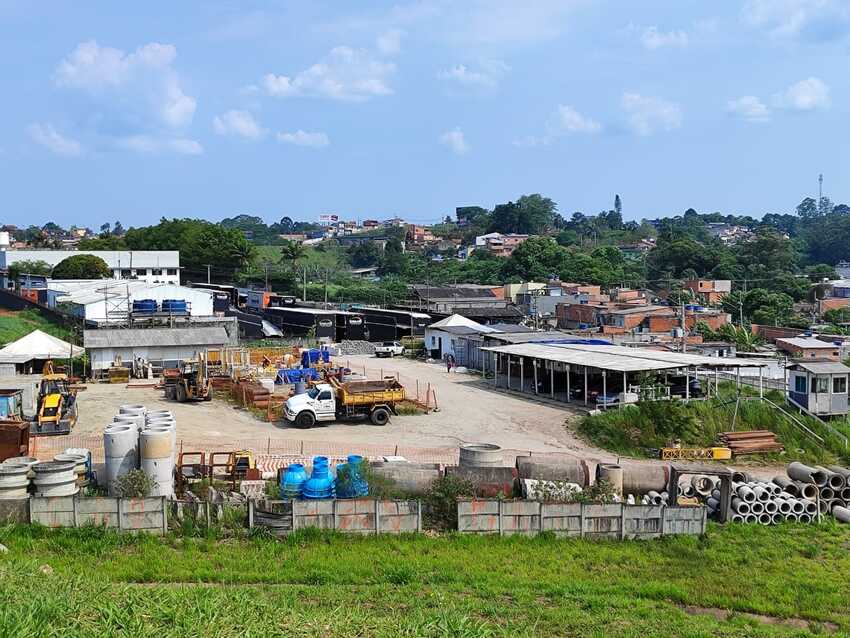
<point>317,404</point>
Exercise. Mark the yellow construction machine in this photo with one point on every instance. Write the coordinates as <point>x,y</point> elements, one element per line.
<point>57,404</point>
<point>189,382</point>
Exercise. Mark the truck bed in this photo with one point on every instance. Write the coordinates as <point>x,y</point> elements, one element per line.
<point>370,392</point>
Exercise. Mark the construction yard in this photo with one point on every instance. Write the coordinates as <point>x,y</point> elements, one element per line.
<point>469,411</point>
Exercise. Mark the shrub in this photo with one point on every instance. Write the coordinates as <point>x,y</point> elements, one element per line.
<point>134,484</point>
<point>441,501</point>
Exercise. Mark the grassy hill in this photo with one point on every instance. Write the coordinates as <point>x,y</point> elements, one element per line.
<point>14,325</point>
<point>736,581</point>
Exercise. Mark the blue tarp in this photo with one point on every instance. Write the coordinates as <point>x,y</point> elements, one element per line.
<point>294,375</point>
<point>309,357</point>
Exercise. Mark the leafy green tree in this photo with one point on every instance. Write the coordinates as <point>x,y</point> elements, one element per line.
<point>29,267</point>
<point>82,267</point>
<point>103,242</point>
<point>529,215</point>
<point>393,262</point>
<point>364,254</point>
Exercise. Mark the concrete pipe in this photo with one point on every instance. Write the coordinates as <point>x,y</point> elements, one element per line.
<point>786,484</point>
<point>136,420</point>
<point>757,507</point>
<point>751,519</point>
<point>845,494</point>
<point>776,518</point>
<point>765,519</point>
<point>132,408</point>
<point>715,494</point>
<point>806,490</point>
<point>806,474</point>
<point>843,471</point>
<point>836,503</point>
<point>833,479</point>
<point>791,517</point>
<point>26,461</point>
<point>611,474</point>
<point>825,506</point>
<point>841,514</point>
<point>702,485</point>
<point>654,497</point>
<point>414,478</point>
<point>762,494</point>
<point>687,490</point>
<point>826,493</point>
<point>771,507</point>
<point>746,494</point>
<point>121,450</point>
<point>811,508</point>
<point>568,470</point>
<point>804,518</point>
<point>55,479</point>
<point>172,429</point>
<point>480,455</point>
<point>773,487</point>
<point>713,504</point>
<point>740,477</point>
<point>80,465</point>
<point>798,507</point>
<point>737,518</point>
<point>14,481</point>
<point>739,506</point>
<point>157,414</point>
<point>640,479</point>
<point>783,506</point>
<point>156,449</point>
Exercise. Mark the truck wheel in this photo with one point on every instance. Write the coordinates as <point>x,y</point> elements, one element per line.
<point>181,394</point>
<point>380,416</point>
<point>305,420</point>
<point>209,394</point>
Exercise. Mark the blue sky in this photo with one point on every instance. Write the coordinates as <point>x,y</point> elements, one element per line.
<point>134,111</point>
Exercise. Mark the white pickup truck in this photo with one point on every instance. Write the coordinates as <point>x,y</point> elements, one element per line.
<point>389,349</point>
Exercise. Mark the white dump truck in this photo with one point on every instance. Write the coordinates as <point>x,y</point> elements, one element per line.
<point>349,399</point>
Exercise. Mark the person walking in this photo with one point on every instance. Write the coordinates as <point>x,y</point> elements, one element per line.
<point>450,362</point>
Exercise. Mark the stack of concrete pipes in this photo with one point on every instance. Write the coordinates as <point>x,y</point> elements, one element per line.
<point>767,503</point>
<point>831,485</point>
<point>141,439</point>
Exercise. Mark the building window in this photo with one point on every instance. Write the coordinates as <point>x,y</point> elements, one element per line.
<point>125,273</point>
<point>839,385</point>
<point>171,272</point>
<point>800,384</point>
<point>821,385</point>
<point>155,271</point>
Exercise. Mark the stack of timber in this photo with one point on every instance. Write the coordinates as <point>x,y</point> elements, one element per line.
<point>751,442</point>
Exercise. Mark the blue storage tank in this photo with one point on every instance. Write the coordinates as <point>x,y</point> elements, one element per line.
<point>174,306</point>
<point>144,306</point>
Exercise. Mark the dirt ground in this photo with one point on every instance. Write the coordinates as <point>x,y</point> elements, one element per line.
<point>470,411</point>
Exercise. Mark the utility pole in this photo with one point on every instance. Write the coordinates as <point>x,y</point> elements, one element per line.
<point>684,330</point>
<point>266,268</point>
<point>208,272</point>
<point>820,188</point>
<point>326,288</point>
<point>305,284</point>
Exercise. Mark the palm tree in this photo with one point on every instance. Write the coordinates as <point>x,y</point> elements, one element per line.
<point>292,252</point>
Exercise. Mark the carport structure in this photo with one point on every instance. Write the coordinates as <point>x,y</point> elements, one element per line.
<point>567,371</point>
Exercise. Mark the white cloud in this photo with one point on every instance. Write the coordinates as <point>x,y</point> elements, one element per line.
<point>749,108</point>
<point>51,139</point>
<point>486,76</point>
<point>652,38</point>
<point>817,20</point>
<point>389,42</point>
<point>345,74</point>
<point>568,120</point>
<point>806,95</point>
<point>303,138</point>
<point>139,83</point>
<point>152,145</point>
<point>647,114</point>
<point>240,123</point>
<point>456,141</point>
<point>508,21</point>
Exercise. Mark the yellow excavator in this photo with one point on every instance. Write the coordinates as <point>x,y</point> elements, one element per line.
<point>189,382</point>
<point>57,404</point>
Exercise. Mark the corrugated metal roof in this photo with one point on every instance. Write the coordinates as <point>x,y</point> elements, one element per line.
<point>133,337</point>
<point>807,342</point>
<point>821,367</point>
<point>549,336</point>
<point>622,359</point>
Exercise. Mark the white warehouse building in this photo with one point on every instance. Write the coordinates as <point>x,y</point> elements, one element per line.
<point>105,300</point>
<point>150,266</point>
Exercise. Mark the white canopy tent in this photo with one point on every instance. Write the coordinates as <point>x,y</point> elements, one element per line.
<point>37,346</point>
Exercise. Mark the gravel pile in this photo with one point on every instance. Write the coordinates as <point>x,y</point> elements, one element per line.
<point>355,347</point>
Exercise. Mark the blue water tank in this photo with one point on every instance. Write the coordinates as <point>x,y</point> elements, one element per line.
<point>144,306</point>
<point>174,306</point>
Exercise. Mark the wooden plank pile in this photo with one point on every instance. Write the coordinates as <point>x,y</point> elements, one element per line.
<point>751,442</point>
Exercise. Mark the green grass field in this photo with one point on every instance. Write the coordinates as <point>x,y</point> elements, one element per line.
<point>14,325</point>
<point>736,581</point>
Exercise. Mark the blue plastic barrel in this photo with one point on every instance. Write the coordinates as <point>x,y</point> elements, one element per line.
<point>293,480</point>
<point>174,306</point>
<point>320,483</point>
